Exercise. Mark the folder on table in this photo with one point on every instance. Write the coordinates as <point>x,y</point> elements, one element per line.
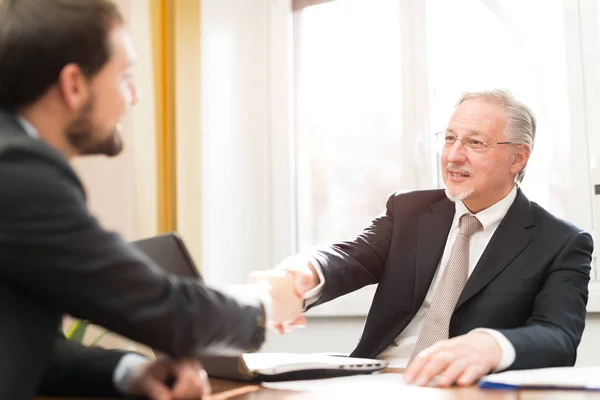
<point>275,367</point>
<point>563,378</point>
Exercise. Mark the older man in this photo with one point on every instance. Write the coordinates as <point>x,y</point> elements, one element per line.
<point>473,279</point>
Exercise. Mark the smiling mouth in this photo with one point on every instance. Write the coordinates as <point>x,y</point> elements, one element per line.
<point>459,174</point>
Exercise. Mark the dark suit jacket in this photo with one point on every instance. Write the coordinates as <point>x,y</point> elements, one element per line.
<point>75,370</point>
<point>55,258</point>
<point>530,282</point>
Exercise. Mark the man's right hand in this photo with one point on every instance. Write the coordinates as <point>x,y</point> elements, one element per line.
<point>304,272</point>
<point>286,302</point>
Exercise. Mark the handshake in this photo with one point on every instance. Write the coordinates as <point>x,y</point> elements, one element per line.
<point>287,284</point>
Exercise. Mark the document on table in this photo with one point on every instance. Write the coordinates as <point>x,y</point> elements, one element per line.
<point>382,381</point>
<point>584,378</point>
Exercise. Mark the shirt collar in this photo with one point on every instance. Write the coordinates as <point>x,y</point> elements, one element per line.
<point>490,217</point>
<point>27,127</point>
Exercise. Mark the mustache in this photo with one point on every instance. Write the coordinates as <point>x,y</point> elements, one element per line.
<point>457,168</point>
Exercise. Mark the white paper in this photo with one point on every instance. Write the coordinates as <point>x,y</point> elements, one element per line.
<point>383,381</point>
<point>575,377</point>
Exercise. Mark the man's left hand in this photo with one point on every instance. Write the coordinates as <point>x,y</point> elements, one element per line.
<point>462,360</point>
<point>190,380</point>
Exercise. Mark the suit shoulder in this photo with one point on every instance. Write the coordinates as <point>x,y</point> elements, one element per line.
<point>25,147</point>
<point>551,223</point>
<point>32,160</point>
<point>30,170</point>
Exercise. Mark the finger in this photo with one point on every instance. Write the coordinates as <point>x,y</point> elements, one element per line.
<point>190,381</point>
<point>288,328</point>
<point>207,389</point>
<point>187,382</point>
<point>278,328</point>
<point>452,372</point>
<point>436,364</point>
<point>471,374</point>
<point>149,380</point>
<point>205,382</point>
<point>155,389</point>
<point>415,367</point>
<point>299,322</point>
<point>302,282</point>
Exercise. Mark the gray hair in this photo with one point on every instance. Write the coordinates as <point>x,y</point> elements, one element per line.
<point>520,120</point>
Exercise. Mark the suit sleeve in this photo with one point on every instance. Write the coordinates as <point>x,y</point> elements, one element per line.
<point>77,370</point>
<point>552,334</point>
<point>350,265</point>
<point>52,247</point>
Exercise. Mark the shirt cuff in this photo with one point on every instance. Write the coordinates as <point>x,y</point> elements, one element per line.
<point>125,368</point>
<point>508,350</point>
<point>313,295</point>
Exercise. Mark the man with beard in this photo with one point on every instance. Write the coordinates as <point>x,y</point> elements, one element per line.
<point>473,279</point>
<point>64,87</point>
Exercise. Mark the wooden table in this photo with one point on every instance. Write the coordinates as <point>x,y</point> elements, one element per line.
<point>224,390</point>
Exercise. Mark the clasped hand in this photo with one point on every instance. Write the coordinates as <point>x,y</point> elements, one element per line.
<point>287,286</point>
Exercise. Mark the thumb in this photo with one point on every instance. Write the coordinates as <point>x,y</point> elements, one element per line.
<point>303,283</point>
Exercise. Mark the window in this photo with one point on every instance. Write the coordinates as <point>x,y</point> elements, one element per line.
<point>352,151</point>
<point>476,44</point>
<point>356,142</point>
<point>311,118</point>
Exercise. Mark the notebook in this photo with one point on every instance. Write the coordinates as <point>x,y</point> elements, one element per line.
<point>170,253</point>
<point>574,378</point>
<point>276,367</point>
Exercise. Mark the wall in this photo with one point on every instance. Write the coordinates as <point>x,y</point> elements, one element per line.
<point>187,86</point>
<point>235,152</point>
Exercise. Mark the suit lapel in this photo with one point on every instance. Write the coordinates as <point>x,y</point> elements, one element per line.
<point>511,237</point>
<point>432,234</point>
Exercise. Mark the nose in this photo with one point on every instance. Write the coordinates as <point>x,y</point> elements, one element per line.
<point>457,153</point>
<point>133,92</point>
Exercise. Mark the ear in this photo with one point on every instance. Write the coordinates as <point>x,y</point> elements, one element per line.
<point>520,158</point>
<point>73,87</point>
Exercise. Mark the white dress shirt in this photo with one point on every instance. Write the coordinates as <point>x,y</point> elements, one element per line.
<point>490,218</point>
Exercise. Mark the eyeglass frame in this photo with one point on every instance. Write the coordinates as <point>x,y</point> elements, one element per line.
<point>456,138</point>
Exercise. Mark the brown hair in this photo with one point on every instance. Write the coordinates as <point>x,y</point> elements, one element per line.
<point>38,38</point>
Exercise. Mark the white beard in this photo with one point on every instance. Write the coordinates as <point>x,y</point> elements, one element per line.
<point>456,197</point>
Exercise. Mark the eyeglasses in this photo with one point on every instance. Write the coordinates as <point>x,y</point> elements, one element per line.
<point>445,139</point>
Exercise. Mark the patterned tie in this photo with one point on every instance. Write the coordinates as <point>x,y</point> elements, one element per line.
<point>437,320</point>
